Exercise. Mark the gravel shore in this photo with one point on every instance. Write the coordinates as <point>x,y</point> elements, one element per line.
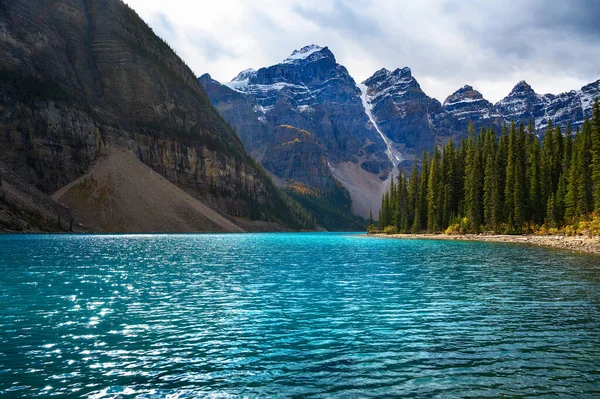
<point>577,243</point>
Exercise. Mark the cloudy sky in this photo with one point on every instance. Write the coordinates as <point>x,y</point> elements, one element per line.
<point>552,44</point>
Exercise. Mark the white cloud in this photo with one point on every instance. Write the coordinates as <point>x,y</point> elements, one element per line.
<point>447,43</point>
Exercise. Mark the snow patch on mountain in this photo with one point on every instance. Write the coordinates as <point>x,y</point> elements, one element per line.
<point>396,83</point>
<point>244,75</point>
<point>394,155</point>
<point>524,104</point>
<point>303,53</point>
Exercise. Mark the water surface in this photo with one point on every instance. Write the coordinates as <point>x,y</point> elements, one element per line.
<point>294,315</point>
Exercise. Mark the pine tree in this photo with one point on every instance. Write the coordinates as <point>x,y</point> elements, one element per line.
<point>547,165</point>
<point>421,218</point>
<point>434,209</point>
<point>449,202</point>
<point>595,132</point>
<point>585,195</point>
<point>393,204</point>
<point>473,183</point>
<point>502,168</point>
<point>551,211</point>
<point>534,191</point>
<point>561,193</point>
<point>413,197</point>
<point>572,196</point>
<point>515,209</point>
<point>491,194</point>
<point>402,204</point>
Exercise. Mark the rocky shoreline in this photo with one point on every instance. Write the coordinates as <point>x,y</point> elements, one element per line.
<point>573,243</point>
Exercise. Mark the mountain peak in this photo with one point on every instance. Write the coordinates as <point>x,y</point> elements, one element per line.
<point>383,76</point>
<point>403,71</point>
<point>307,52</point>
<point>521,87</point>
<point>467,104</point>
<point>382,72</point>
<point>465,93</point>
<point>244,75</point>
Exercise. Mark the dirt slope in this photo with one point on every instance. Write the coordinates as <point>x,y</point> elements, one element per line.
<point>121,194</point>
<point>365,188</point>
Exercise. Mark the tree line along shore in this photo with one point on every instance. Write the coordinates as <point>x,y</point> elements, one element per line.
<point>512,183</point>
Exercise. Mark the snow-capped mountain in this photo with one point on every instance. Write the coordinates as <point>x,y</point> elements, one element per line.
<point>468,104</point>
<point>308,121</point>
<point>309,92</point>
<point>524,104</point>
<point>404,112</point>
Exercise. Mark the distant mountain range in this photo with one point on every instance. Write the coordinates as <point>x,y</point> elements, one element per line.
<point>312,126</point>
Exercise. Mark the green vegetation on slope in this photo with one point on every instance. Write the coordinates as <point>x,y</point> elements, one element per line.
<point>332,210</point>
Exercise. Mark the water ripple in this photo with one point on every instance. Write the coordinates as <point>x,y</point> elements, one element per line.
<point>294,315</point>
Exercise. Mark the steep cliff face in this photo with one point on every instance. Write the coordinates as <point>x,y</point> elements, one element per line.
<point>403,111</point>
<point>80,76</point>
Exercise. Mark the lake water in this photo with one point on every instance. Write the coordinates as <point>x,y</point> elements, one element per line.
<point>294,315</point>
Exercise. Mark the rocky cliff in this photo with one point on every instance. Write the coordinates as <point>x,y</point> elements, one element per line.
<point>80,76</point>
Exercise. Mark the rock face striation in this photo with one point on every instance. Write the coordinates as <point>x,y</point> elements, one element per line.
<point>409,117</point>
<point>78,77</point>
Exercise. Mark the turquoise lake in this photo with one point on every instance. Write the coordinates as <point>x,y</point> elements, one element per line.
<point>294,315</point>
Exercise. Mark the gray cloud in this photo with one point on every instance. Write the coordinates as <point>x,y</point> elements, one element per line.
<point>492,44</point>
<point>210,46</point>
<point>343,18</point>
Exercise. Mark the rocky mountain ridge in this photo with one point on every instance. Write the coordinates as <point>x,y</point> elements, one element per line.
<point>368,128</point>
<point>523,104</point>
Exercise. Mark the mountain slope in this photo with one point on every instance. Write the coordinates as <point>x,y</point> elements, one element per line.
<point>80,76</point>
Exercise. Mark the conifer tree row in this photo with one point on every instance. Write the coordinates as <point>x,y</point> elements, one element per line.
<point>506,183</point>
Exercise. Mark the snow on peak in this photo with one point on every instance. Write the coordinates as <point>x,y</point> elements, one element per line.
<point>403,71</point>
<point>522,86</point>
<point>244,75</point>
<point>464,95</point>
<point>303,53</point>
